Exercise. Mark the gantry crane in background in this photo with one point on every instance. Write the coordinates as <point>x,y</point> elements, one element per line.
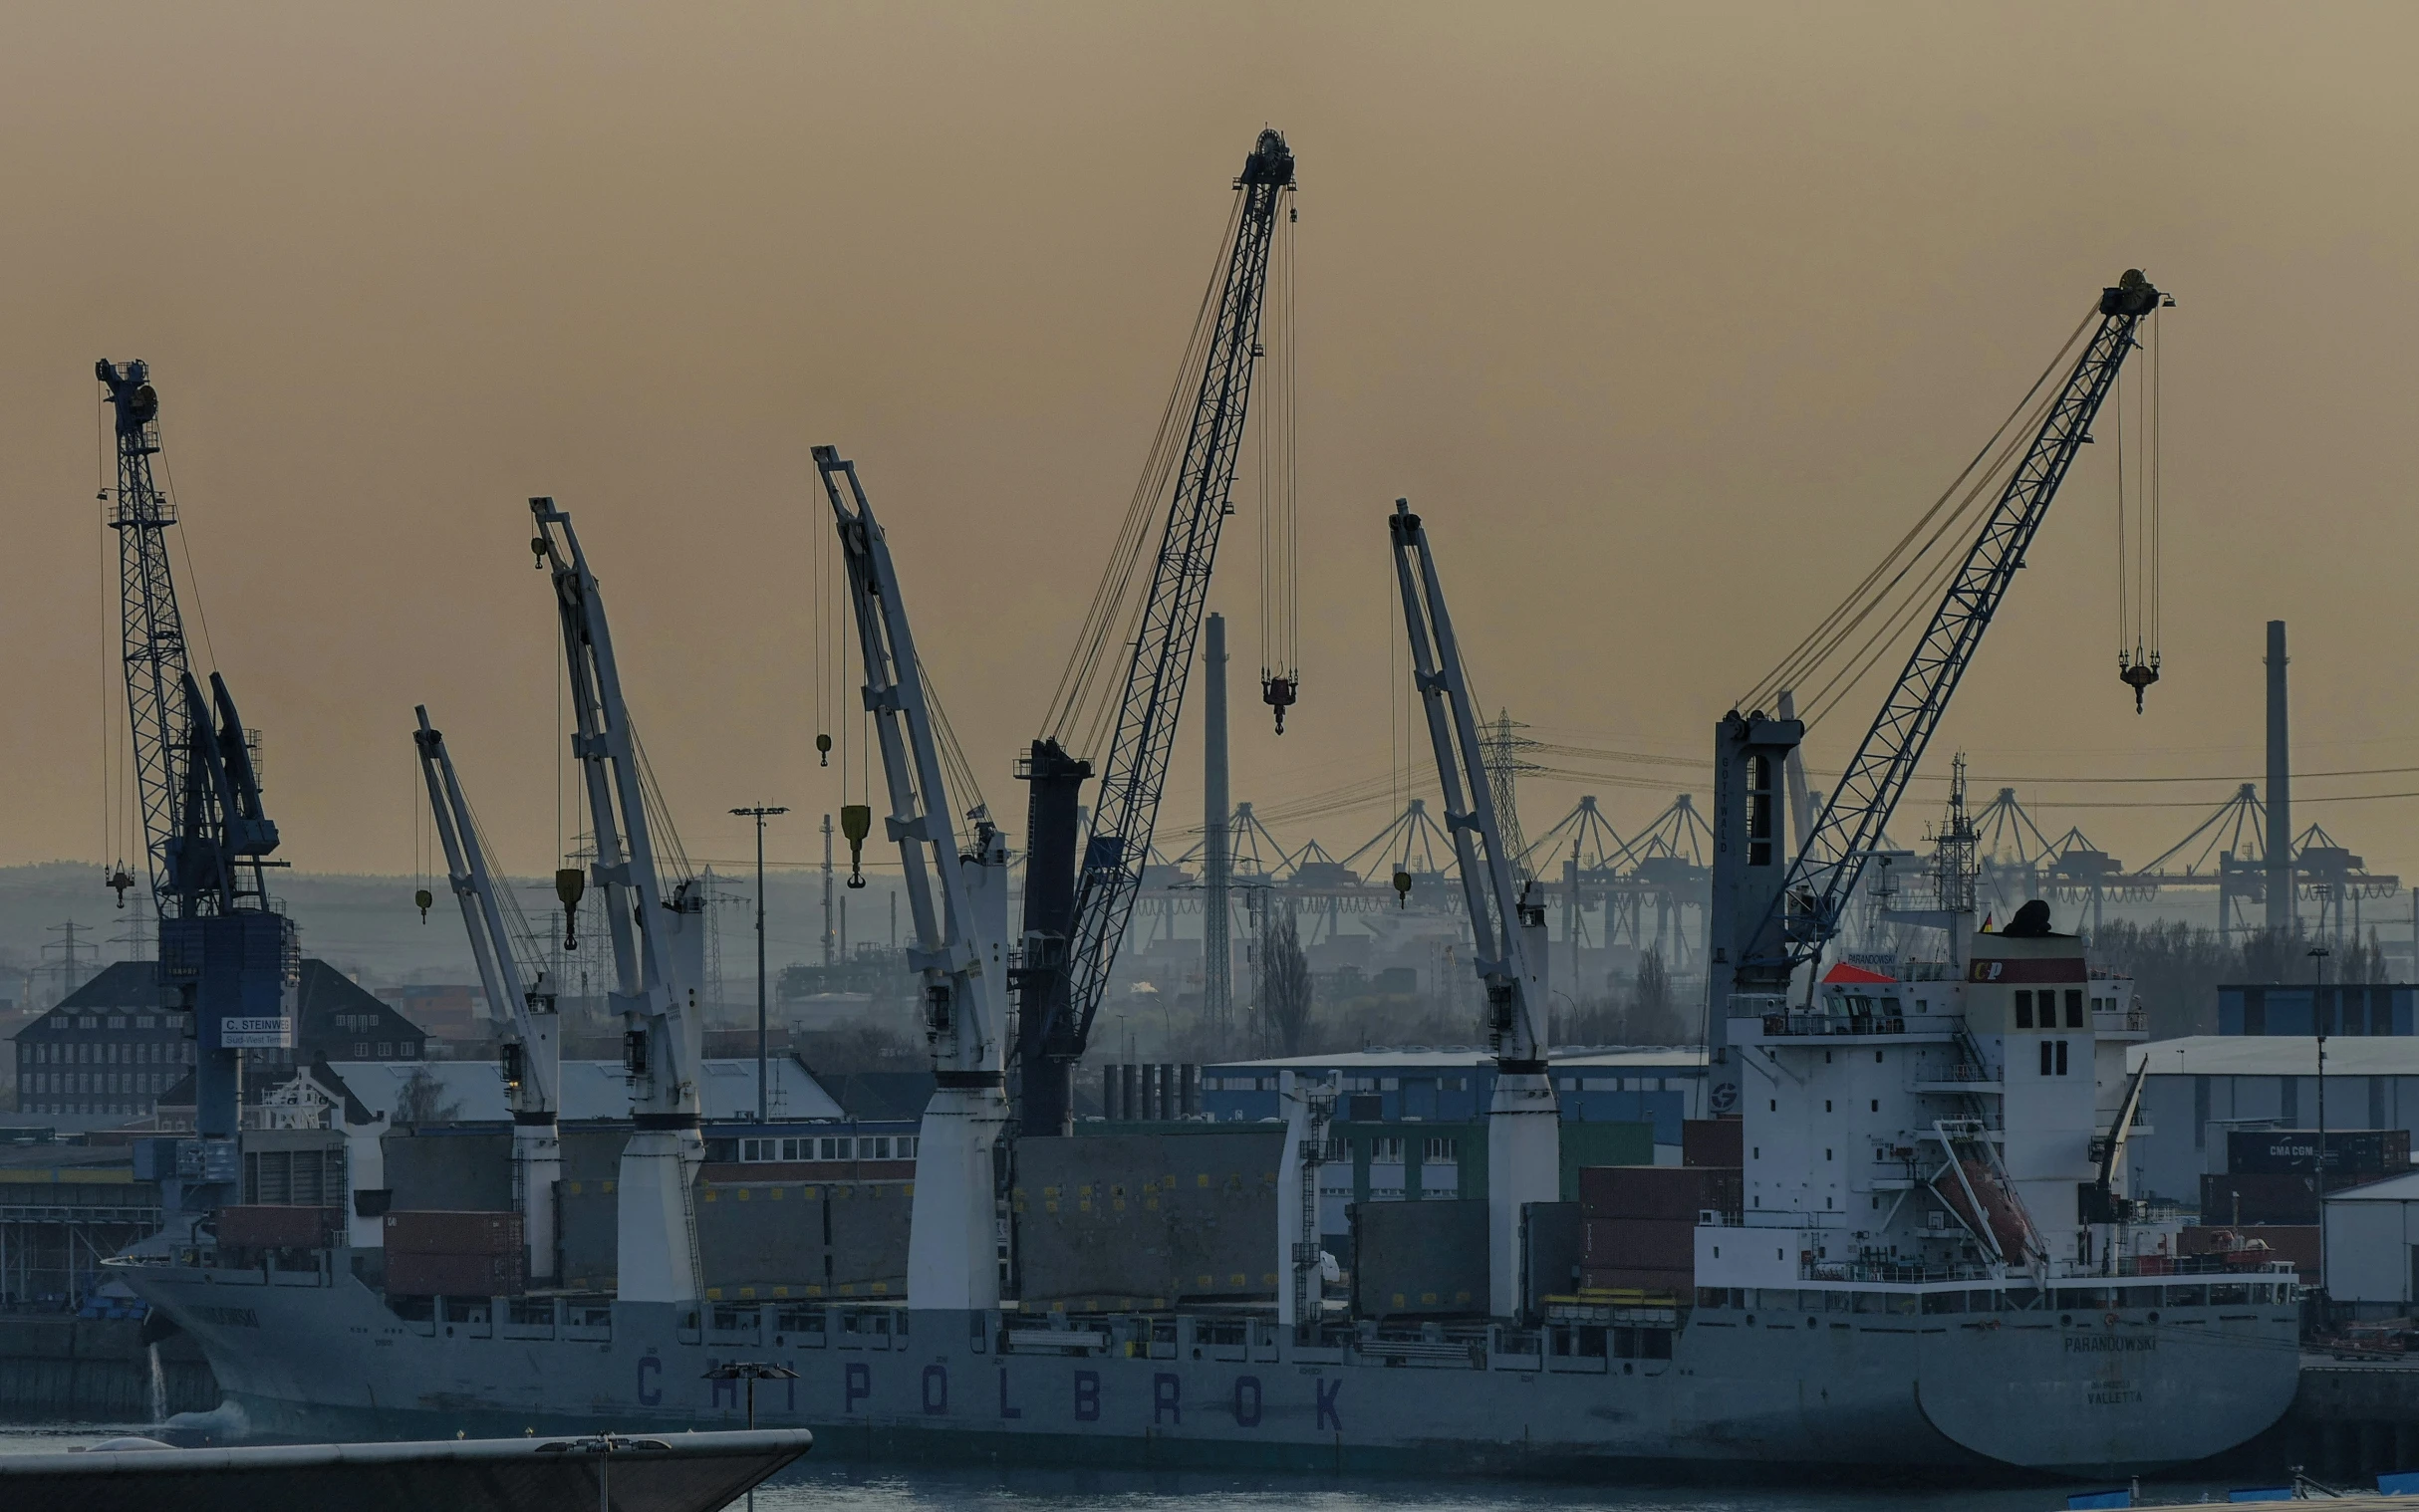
<point>233,960</point>
<point>1524,1121</point>
<point>523,1008</point>
<point>659,939</point>
<point>959,906</point>
<point>1076,909</point>
<point>1772,914</point>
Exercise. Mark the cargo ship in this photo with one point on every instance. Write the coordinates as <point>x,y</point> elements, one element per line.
<point>1901,1270</point>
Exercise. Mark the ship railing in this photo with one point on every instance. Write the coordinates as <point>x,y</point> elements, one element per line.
<point>1807,1024</point>
<point>1889,1272</point>
<point>2222,1262</point>
<point>1463,1354</point>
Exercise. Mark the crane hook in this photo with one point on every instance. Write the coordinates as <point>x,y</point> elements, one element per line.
<point>2138,673</point>
<point>422,898</point>
<point>1279,693</point>
<point>856,822</point>
<point>823,748</point>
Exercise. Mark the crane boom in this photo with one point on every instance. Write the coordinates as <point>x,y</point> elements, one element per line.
<point>1063,1000</point>
<point>524,1014</point>
<point>654,938</point>
<point>151,627</point>
<point>1523,1119</point>
<point>958,904</point>
<point>1824,874</point>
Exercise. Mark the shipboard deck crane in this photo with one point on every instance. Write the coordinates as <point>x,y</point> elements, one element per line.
<point>1075,913</point>
<point>1523,1119</point>
<point>958,904</point>
<point>1770,914</point>
<point>658,942</point>
<point>524,1009</point>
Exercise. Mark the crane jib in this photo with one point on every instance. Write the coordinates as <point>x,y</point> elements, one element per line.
<point>1815,893</point>
<point>1135,773</point>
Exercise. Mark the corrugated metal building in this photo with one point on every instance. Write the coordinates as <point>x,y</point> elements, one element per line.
<point>2203,1084</point>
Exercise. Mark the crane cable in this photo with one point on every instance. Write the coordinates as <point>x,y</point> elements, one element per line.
<point>1828,637</point>
<point>1116,610</point>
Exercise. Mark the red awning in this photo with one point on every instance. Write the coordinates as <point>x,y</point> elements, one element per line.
<point>1854,975</point>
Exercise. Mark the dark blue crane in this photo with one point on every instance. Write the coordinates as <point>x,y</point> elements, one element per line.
<point>232,958</point>
<point>1772,914</point>
<point>1076,909</point>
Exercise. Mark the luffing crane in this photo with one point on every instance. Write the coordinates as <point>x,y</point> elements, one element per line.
<point>658,942</point>
<point>1523,1119</point>
<point>523,1008</point>
<point>1076,909</point>
<point>232,958</point>
<point>1772,914</point>
<point>958,904</point>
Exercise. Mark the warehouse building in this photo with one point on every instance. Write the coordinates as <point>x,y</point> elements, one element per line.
<point>2201,1087</point>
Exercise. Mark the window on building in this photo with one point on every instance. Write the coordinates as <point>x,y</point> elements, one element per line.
<point>2075,1008</point>
<point>2047,1057</point>
<point>1440,1148</point>
<point>2024,1010</point>
<point>1386,1149</point>
<point>386,1050</point>
<point>2061,1058</point>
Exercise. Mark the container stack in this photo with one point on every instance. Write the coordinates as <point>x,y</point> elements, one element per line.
<point>1638,1225</point>
<point>432,1253</point>
<point>2271,1174</point>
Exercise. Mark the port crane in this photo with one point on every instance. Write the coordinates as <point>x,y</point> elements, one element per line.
<point>1076,908</point>
<point>233,960</point>
<point>658,940</point>
<point>523,1008</point>
<point>958,904</point>
<point>1523,1119</point>
<point>1772,914</point>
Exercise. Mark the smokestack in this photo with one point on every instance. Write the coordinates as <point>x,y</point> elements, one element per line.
<point>1218,949</point>
<point>2280,911</point>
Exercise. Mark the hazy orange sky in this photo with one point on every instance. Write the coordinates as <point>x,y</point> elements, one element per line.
<point>1669,318</point>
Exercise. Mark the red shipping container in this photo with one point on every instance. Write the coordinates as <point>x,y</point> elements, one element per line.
<point>1639,1243</point>
<point>1656,1191</point>
<point>414,1275</point>
<point>1711,1144</point>
<point>267,1227</point>
<point>437,1232</point>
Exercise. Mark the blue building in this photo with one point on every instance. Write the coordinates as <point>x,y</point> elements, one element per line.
<point>1453,1083</point>
<point>2345,1008</point>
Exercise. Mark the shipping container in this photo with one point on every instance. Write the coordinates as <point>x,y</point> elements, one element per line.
<point>1713,1143</point>
<point>425,1275</point>
<point>260,1227</point>
<point>2279,1152</point>
<point>1662,1244</point>
<point>2258,1198</point>
<point>427,1231</point>
<point>1420,1259</point>
<point>1657,1282</point>
<point>1657,1191</point>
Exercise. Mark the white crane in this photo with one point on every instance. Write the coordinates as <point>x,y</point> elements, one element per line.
<point>1524,1121</point>
<point>657,944</point>
<point>524,1014</point>
<point>961,926</point>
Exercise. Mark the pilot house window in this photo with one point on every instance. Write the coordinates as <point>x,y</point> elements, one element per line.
<point>2053,1058</point>
<point>2075,1008</point>
<point>2024,1010</point>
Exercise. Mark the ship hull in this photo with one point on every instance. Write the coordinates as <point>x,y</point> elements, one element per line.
<point>2060,1393</point>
